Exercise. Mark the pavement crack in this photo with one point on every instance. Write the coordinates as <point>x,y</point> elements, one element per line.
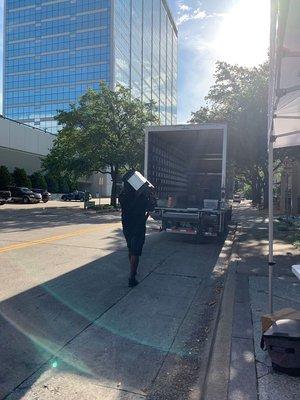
<point>179,275</point>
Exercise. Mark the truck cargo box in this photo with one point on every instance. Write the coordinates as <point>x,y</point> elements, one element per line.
<point>187,165</point>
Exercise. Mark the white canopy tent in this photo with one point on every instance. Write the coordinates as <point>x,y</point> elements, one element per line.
<point>284,94</point>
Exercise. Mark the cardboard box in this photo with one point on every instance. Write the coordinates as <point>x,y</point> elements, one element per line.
<point>286,313</point>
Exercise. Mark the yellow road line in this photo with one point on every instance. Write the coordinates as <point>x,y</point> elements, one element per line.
<point>30,243</point>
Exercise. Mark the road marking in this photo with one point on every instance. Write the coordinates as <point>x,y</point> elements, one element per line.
<point>31,243</point>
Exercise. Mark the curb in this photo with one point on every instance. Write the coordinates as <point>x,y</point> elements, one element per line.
<point>217,373</point>
<point>219,275</point>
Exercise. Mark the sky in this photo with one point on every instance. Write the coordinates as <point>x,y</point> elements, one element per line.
<point>236,31</point>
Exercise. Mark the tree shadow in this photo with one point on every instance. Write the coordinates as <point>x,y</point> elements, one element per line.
<point>38,218</point>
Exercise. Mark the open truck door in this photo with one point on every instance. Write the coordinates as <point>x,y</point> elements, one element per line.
<point>187,165</point>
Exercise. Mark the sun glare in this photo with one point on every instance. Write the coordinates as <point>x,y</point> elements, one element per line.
<point>244,33</point>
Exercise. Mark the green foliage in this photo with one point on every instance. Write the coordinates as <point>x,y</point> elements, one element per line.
<point>38,180</point>
<point>52,183</point>
<point>247,190</point>
<point>239,96</point>
<point>20,178</point>
<point>5,177</point>
<point>104,132</point>
<point>63,185</point>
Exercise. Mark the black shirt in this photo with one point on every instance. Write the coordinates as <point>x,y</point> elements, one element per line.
<point>134,210</point>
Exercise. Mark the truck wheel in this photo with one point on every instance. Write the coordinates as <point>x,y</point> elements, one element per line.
<point>199,238</point>
<point>223,235</point>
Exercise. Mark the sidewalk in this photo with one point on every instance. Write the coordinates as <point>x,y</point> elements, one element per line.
<point>84,335</point>
<point>239,369</point>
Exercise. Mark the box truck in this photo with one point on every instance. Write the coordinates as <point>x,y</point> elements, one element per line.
<point>187,165</point>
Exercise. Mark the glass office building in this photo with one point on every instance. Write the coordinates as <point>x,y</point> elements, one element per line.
<point>55,50</point>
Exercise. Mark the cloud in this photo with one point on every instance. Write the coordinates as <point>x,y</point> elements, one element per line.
<point>184,7</point>
<point>190,15</point>
<point>187,13</point>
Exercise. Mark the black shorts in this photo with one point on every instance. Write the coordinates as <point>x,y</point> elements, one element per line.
<point>135,243</point>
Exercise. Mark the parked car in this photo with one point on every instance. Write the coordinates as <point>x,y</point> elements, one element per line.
<point>38,197</point>
<point>45,195</point>
<point>76,195</point>
<point>5,196</point>
<point>237,198</point>
<point>22,195</point>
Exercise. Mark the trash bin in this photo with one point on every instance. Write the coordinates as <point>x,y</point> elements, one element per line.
<point>282,340</point>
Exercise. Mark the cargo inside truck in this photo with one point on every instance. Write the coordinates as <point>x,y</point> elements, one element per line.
<point>185,166</point>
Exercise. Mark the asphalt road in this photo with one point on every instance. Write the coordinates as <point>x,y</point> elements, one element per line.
<point>72,329</point>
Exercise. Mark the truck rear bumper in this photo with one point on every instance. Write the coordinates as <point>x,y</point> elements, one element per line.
<point>183,231</point>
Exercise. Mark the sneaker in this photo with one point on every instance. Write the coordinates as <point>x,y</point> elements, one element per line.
<point>132,282</point>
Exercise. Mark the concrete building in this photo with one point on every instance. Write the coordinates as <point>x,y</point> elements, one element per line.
<point>23,146</point>
<point>55,50</point>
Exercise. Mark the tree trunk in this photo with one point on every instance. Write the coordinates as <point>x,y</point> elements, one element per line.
<point>256,192</point>
<point>266,195</point>
<point>265,184</point>
<point>114,178</point>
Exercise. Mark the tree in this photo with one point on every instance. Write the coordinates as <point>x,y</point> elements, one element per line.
<point>38,180</point>
<point>20,177</point>
<point>63,185</point>
<point>5,177</point>
<point>52,183</point>
<point>104,133</point>
<point>239,96</point>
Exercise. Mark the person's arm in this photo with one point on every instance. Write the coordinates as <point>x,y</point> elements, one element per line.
<point>151,201</point>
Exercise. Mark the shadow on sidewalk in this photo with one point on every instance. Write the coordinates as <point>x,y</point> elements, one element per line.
<point>38,218</point>
<point>253,246</point>
<point>127,346</point>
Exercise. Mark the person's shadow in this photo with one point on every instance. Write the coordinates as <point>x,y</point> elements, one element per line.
<point>77,323</point>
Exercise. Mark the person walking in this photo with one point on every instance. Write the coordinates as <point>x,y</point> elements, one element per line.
<point>135,212</point>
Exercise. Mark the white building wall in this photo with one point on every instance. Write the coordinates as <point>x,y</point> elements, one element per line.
<point>16,136</point>
<point>23,146</point>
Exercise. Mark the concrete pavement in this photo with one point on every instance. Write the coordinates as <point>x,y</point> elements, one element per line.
<point>55,203</point>
<point>239,369</point>
<point>72,329</point>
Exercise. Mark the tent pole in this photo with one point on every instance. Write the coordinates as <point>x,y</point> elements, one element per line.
<point>271,221</point>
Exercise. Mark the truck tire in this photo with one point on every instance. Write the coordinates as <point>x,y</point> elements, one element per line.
<point>199,238</point>
<point>223,235</point>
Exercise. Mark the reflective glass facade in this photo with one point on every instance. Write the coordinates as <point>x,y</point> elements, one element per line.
<point>55,50</point>
<point>145,48</point>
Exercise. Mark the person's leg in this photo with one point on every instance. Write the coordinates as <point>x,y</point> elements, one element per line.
<point>136,246</point>
<point>134,263</point>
